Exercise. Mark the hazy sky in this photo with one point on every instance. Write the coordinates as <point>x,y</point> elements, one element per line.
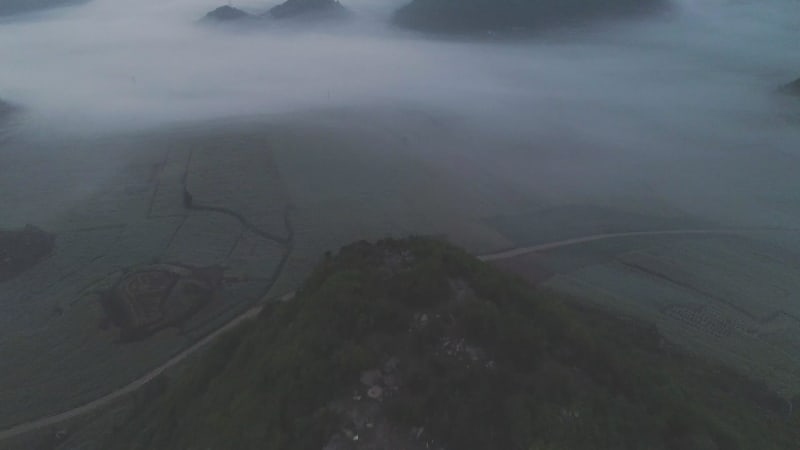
<point>373,131</point>
<point>652,104</point>
<point>121,62</point>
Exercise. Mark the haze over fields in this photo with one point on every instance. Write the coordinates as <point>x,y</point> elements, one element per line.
<point>694,83</point>
<point>231,156</point>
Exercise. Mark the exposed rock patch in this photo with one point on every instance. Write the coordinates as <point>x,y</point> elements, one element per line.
<point>363,421</point>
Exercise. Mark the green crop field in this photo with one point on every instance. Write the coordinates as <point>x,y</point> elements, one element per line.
<point>732,298</point>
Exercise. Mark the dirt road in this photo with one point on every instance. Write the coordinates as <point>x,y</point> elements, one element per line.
<point>519,251</point>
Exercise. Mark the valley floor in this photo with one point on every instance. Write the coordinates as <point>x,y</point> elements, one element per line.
<point>270,195</point>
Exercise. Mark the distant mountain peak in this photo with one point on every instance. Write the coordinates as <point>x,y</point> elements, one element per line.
<point>286,10</point>
<point>295,8</point>
<point>489,16</point>
<point>226,13</point>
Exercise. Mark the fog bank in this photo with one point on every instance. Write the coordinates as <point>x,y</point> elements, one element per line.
<point>113,64</point>
<point>683,104</point>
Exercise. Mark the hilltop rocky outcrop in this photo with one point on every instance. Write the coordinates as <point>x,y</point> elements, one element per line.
<point>414,344</point>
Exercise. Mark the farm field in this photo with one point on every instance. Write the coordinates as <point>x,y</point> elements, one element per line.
<point>163,237</point>
<point>136,273</point>
<point>174,174</point>
<point>730,297</point>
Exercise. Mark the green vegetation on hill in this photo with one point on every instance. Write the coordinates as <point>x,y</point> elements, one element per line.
<point>407,343</point>
<point>469,16</point>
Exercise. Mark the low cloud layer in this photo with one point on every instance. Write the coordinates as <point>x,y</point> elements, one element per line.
<point>671,90</point>
<point>147,61</point>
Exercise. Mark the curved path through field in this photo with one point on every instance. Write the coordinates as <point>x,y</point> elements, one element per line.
<point>253,312</point>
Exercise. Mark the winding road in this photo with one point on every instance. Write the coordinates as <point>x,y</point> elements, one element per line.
<point>253,312</point>
<point>519,251</point>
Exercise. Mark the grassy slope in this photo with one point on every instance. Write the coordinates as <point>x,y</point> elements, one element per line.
<point>560,377</point>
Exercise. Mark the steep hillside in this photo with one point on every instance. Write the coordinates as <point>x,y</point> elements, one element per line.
<point>414,344</point>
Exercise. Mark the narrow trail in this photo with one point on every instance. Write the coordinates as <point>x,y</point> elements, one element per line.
<point>253,312</point>
<point>287,242</point>
<point>129,388</point>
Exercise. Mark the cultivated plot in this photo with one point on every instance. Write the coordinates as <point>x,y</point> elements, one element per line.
<point>168,243</point>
